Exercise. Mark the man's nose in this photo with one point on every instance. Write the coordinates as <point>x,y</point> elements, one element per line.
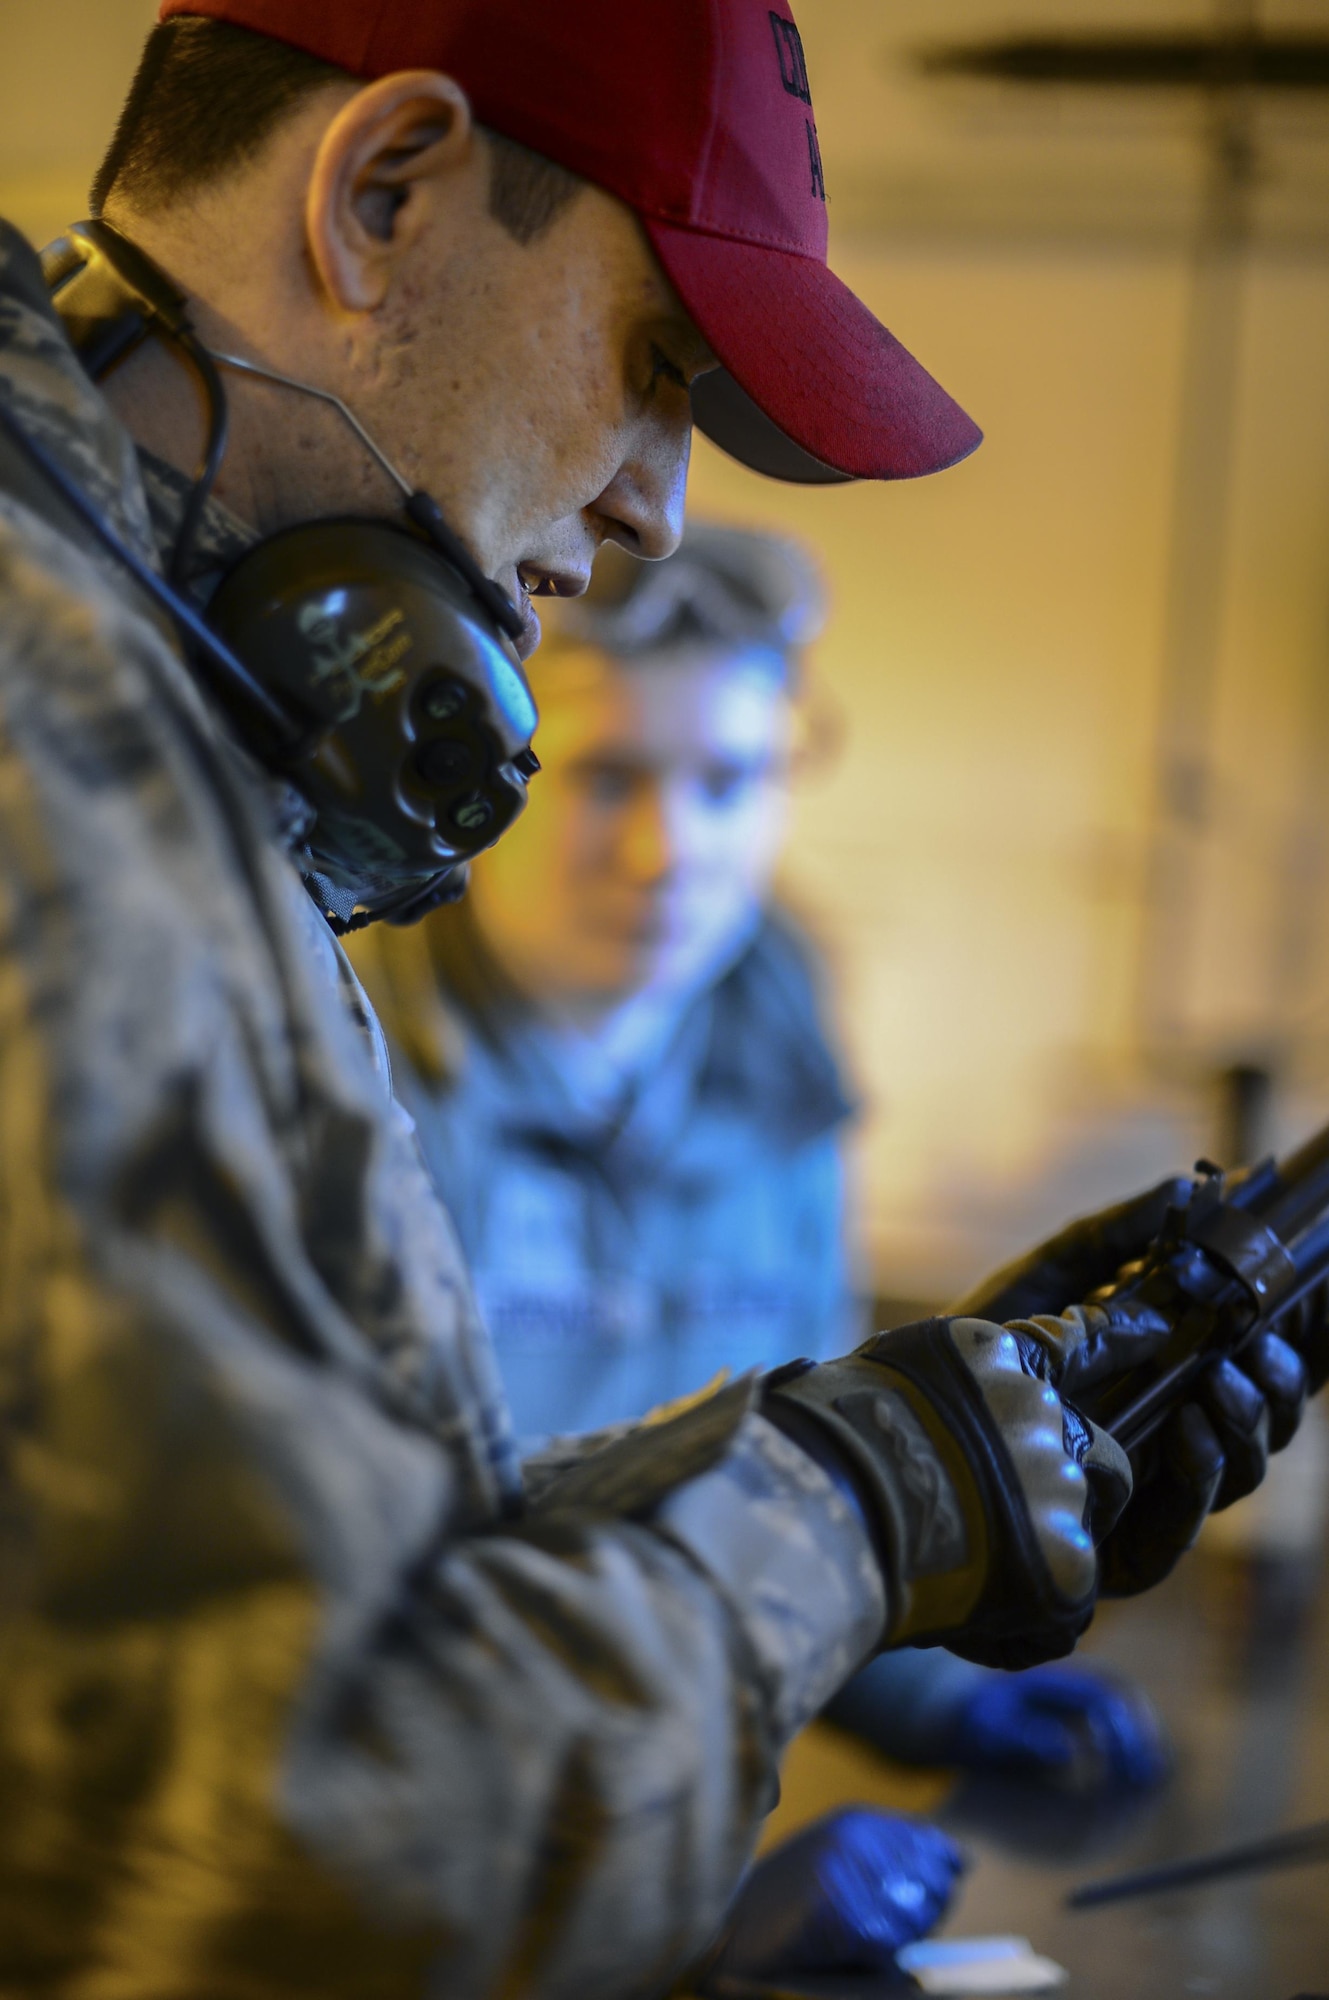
<point>642,507</point>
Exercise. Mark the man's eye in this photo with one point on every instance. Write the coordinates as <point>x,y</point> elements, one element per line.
<point>608,784</point>
<point>663,369</point>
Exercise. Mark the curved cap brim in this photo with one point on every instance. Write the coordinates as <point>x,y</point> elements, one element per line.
<point>812,388</point>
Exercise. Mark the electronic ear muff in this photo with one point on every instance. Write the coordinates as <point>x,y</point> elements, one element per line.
<point>367,661</point>
<point>424,720</point>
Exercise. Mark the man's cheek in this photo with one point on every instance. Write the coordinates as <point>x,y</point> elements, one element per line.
<point>593,459</point>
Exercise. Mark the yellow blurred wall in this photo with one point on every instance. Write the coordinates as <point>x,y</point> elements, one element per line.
<point>64,67</point>
<point>976,858</point>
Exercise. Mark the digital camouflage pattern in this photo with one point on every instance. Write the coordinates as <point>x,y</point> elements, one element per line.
<point>303,1696</point>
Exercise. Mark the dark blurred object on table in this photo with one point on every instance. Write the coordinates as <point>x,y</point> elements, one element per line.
<point>839,1899</point>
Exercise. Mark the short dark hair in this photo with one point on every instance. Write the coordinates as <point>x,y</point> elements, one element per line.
<point>207,95</point>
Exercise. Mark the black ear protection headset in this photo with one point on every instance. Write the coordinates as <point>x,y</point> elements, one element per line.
<point>369,662</point>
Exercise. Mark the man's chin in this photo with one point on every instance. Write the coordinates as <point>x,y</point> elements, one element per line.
<point>531,629</point>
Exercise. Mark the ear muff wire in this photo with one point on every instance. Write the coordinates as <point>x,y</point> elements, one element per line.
<point>214,450</point>
<point>231,679</point>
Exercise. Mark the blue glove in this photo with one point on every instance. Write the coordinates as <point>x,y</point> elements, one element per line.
<point>841,1896</point>
<point>1048,1719</point>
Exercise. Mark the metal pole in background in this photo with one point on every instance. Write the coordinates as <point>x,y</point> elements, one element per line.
<point>1201,518</point>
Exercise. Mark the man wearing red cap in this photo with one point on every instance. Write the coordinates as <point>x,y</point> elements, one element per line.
<point>310,1688</point>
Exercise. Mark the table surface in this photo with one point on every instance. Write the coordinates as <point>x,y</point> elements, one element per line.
<point>1236,1656</point>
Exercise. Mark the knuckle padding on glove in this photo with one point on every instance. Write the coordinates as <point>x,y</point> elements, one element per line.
<point>976,1540</point>
<point>1032,1547</point>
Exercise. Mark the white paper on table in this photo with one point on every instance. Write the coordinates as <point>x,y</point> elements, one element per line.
<point>965,1967</point>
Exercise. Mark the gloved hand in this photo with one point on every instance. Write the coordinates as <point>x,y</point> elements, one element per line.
<point>1244,1410</point>
<point>841,1896</point>
<point>985,1491</point>
<point>1211,1452</point>
<point>1306,1330</point>
<point>930,1708</point>
<point>1043,1722</point>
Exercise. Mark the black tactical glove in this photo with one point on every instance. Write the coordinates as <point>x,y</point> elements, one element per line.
<point>1306,1331</point>
<point>985,1491</point>
<point>1209,1454</point>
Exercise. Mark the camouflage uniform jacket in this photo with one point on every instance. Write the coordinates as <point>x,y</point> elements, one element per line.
<point>304,1694</point>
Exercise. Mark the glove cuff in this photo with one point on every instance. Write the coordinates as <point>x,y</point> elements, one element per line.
<point>925,1506</point>
<point>992,1561</point>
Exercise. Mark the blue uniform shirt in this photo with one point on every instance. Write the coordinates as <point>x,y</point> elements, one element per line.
<point>625,1251</point>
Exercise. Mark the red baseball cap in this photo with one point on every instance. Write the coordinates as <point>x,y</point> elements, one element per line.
<point>698,115</point>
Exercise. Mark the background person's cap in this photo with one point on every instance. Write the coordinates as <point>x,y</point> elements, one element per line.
<point>697,114</point>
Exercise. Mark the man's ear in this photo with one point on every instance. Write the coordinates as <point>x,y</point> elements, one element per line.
<point>368,192</point>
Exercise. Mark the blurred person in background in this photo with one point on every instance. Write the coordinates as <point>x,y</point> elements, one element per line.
<point>617,1056</point>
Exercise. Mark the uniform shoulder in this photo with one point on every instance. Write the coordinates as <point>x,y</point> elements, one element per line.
<point>772,1040</point>
<point>787,948</point>
<point>46,389</point>
<point>21,273</point>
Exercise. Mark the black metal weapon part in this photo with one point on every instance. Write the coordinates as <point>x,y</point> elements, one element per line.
<point>1243,1253</point>
<point>1295,1848</point>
